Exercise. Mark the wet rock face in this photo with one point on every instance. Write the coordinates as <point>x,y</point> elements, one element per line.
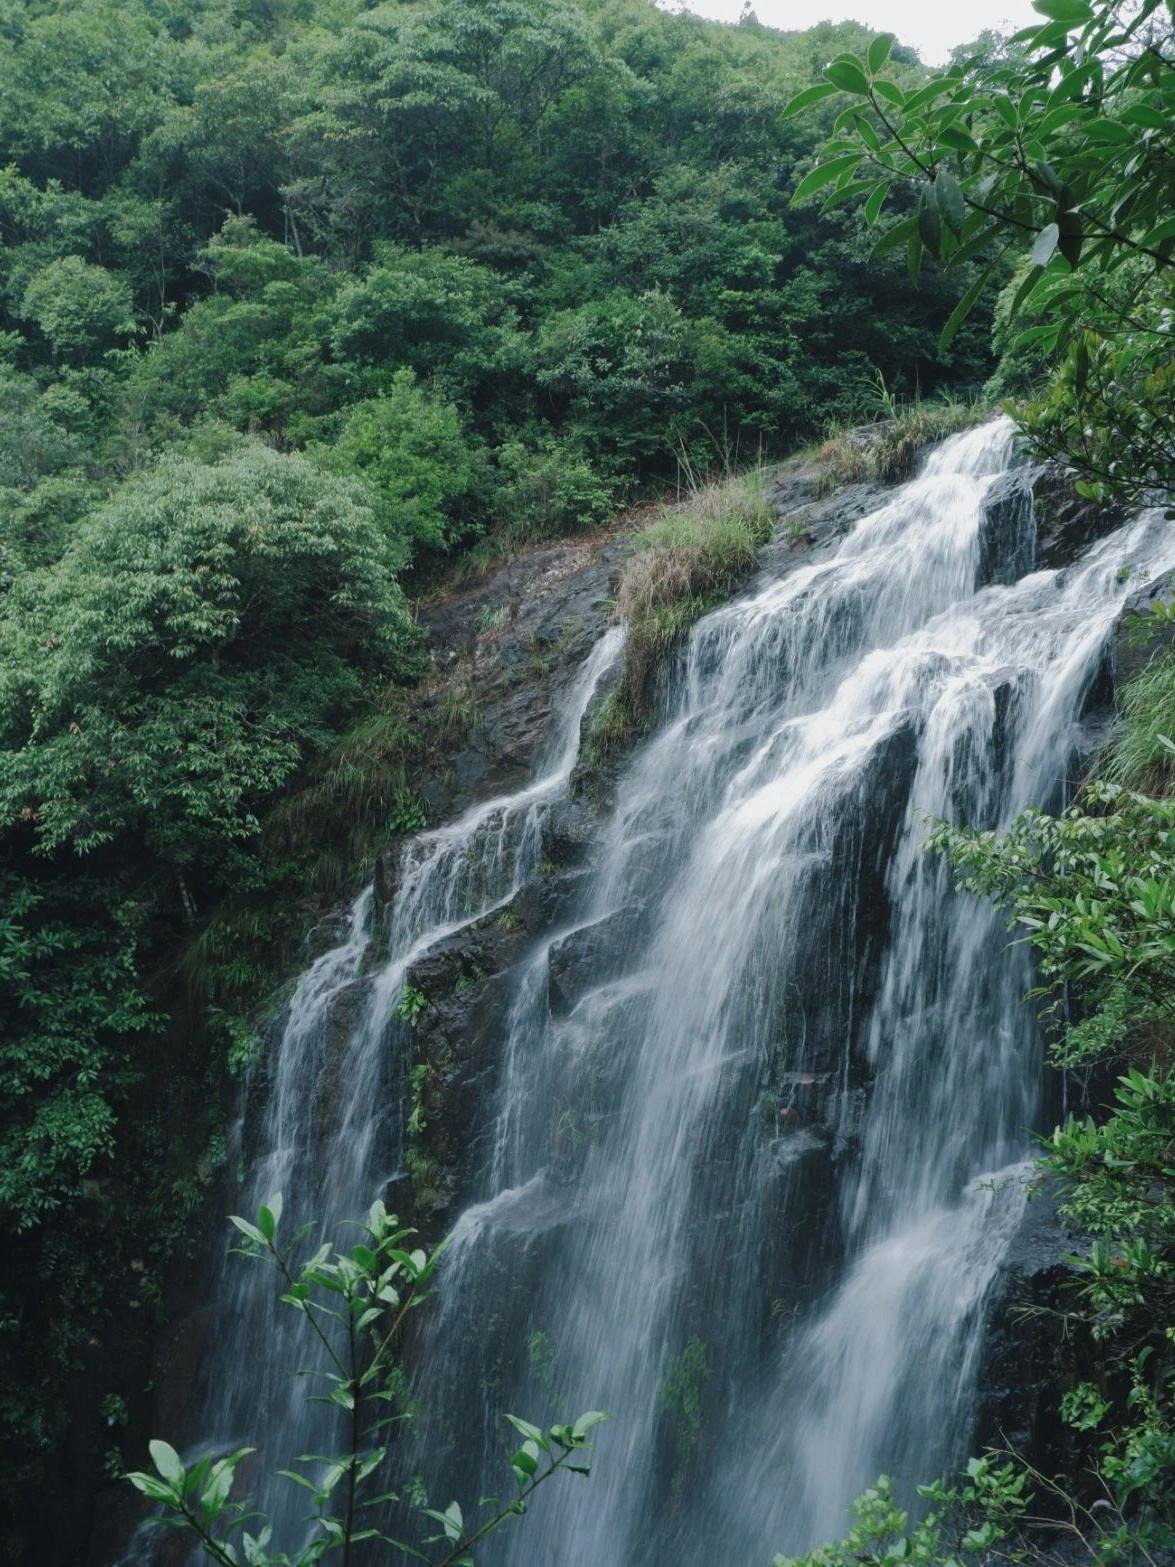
<point>1134,646</point>
<point>505,649</point>
<point>1030,1357</point>
<point>1066,524</point>
<point>811,521</point>
<point>1007,534</point>
<point>1034,520</point>
<point>590,955</point>
<point>455,1041</point>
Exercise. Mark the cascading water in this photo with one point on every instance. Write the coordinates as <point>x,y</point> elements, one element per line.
<point>752,1165</point>
<point>795,1072</point>
<point>330,1128</point>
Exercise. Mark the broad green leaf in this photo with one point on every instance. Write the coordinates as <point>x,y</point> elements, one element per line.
<point>949,200</point>
<point>1072,238</point>
<point>846,193</point>
<point>929,223</point>
<point>824,175</point>
<point>248,1229</point>
<point>962,310</point>
<point>155,1490</point>
<point>809,96</point>
<point>1030,282</point>
<point>1111,131</point>
<point>895,238</point>
<point>526,1460</point>
<point>866,132</point>
<point>846,73</point>
<point>957,139</point>
<point>1035,334</point>
<point>914,255</point>
<point>1074,12</point>
<point>879,52</point>
<point>930,93</point>
<point>1142,114</point>
<point>524,1428</point>
<point>875,202</point>
<point>1046,244</point>
<point>167,1461</point>
<point>289,1474</point>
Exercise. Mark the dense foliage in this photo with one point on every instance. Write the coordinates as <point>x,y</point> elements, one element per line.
<point>298,302</point>
<point>1050,153</point>
<point>301,301</point>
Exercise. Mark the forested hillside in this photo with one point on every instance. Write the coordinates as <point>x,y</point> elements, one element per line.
<point>310,309</point>
<point>299,302</point>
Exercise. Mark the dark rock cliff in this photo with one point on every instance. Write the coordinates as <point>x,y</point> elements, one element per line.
<point>504,651</point>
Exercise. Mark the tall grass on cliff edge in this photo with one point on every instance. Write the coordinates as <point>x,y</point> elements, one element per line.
<point>1142,755</point>
<point>888,452</point>
<point>684,563</point>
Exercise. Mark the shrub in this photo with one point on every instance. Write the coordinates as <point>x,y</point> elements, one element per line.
<point>420,467</point>
<point>354,1305</point>
<point>139,687</point>
<point>547,488</point>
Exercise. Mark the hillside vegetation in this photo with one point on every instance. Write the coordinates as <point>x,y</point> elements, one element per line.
<point>306,305</point>
<point>301,304</point>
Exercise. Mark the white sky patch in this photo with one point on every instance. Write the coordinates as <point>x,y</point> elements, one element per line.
<point>933,27</point>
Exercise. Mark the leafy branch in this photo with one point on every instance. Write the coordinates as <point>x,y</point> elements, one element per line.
<point>368,1292</point>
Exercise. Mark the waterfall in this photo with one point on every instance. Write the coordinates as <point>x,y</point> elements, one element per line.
<point>799,1071</point>
<point>330,1127</point>
<point>766,1091</point>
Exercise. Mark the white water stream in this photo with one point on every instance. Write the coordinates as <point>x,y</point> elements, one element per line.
<point>752,1166</point>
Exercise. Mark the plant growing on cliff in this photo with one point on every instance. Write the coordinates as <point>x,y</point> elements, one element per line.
<point>1093,891</point>
<point>410,1004</point>
<point>355,1305</point>
<point>684,563</point>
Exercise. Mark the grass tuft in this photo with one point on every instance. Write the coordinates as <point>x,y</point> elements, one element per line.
<point>888,453</point>
<point>688,560</point>
<point>1142,755</point>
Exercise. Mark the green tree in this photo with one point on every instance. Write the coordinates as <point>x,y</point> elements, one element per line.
<point>206,630</point>
<point>445,317</point>
<point>1053,151</point>
<point>80,309</point>
<point>421,469</point>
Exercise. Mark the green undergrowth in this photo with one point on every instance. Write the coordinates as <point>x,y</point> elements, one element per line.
<point>316,843</point>
<point>1143,753</point>
<point>888,453</point>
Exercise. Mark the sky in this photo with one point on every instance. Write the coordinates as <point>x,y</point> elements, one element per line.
<point>933,27</point>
